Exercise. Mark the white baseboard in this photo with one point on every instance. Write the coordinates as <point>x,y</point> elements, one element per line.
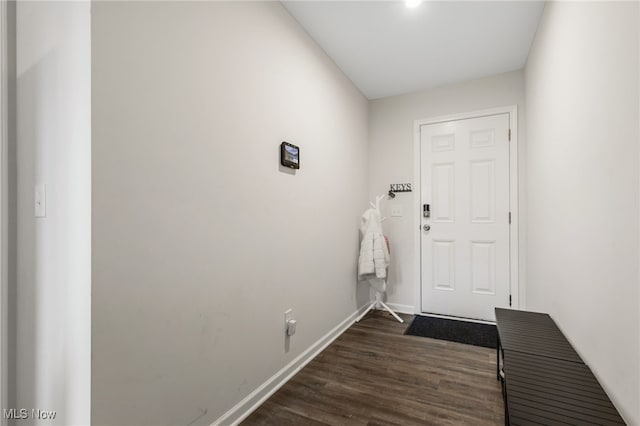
<point>252,401</point>
<point>403,309</point>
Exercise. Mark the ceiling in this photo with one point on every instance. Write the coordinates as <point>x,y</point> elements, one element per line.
<point>388,49</point>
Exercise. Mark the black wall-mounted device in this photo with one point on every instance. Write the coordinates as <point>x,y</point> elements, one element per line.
<point>289,155</point>
<point>425,210</point>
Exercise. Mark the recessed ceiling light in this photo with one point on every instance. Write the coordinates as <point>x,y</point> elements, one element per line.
<point>413,3</point>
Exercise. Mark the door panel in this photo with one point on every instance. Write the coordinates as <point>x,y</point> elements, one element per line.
<point>443,265</point>
<point>465,179</point>
<point>483,191</point>
<point>444,192</point>
<point>483,267</point>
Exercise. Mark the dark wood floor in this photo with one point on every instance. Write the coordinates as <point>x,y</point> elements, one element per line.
<point>375,375</point>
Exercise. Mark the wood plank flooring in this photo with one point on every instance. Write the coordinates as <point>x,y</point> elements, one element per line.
<point>375,375</point>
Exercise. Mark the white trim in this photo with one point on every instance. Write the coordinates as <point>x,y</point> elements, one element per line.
<point>416,225</point>
<point>251,402</point>
<point>514,187</point>
<point>514,239</point>
<point>403,309</point>
<point>427,314</point>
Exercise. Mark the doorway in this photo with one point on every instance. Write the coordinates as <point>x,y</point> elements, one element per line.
<point>466,227</point>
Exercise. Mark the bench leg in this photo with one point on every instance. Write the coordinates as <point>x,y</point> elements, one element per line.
<point>498,358</point>
<point>506,412</point>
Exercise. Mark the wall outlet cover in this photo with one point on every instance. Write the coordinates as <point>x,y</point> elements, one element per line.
<point>396,210</point>
<point>40,200</point>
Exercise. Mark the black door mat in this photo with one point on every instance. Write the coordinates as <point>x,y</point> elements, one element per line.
<point>470,333</point>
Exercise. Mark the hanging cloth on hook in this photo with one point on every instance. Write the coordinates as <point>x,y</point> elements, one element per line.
<point>374,251</point>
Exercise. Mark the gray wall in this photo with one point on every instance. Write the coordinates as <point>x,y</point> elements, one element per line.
<point>9,227</point>
<point>200,240</point>
<point>582,115</point>
<point>391,134</point>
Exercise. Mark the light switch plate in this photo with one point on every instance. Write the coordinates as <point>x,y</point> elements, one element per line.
<point>396,210</point>
<point>40,200</point>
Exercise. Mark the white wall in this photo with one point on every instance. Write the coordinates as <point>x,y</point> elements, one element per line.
<point>391,122</point>
<point>53,253</point>
<point>582,114</point>
<point>200,240</point>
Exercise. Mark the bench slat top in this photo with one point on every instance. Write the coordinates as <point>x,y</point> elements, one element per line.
<point>533,332</point>
<point>536,393</point>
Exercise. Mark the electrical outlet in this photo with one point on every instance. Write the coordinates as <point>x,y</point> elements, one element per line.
<point>291,327</point>
<point>396,210</point>
<point>40,200</point>
<point>289,322</point>
<point>288,315</point>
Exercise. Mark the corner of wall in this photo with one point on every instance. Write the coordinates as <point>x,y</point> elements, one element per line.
<point>9,212</point>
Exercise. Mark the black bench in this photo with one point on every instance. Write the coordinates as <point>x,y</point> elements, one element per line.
<point>544,380</point>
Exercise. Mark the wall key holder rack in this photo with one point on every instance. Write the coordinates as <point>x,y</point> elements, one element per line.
<point>398,187</point>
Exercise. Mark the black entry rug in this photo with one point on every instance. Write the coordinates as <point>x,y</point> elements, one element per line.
<point>471,333</point>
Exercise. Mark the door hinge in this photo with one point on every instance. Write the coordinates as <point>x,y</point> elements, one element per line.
<point>509,135</point>
<point>509,218</point>
<point>509,300</point>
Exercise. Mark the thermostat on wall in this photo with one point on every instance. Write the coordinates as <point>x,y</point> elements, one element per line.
<point>289,155</point>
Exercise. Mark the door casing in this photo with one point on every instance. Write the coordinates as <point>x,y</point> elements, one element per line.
<point>514,283</point>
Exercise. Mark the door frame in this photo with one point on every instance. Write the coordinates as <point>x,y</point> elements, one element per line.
<point>512,110</point>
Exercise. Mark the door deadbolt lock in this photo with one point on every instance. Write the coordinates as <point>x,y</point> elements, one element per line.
<point>427,227</point>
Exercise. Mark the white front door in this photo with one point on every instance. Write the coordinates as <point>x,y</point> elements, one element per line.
<point>465,182</point>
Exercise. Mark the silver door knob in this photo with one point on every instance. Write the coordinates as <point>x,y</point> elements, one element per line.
<point>426,228</point>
